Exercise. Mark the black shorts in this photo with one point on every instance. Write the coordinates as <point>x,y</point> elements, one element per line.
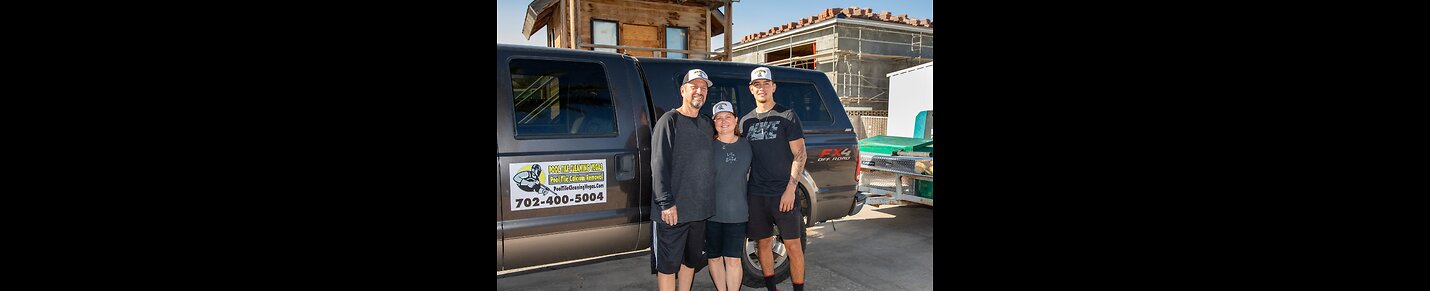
<point>683,243</point>
<point>724,239</point>
<point>765,212</point>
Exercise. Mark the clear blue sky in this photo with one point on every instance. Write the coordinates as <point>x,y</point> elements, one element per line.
<point>751,16</point>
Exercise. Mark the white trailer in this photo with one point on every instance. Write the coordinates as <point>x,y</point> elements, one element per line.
<point>904,177</point>
<point>910,92</point>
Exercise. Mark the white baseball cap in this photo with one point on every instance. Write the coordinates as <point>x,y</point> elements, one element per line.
<point>697,74</point>
<point>722,106</point>
<point>761,73</point>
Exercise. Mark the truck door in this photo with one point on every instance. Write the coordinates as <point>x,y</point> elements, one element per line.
<point>568,156</point>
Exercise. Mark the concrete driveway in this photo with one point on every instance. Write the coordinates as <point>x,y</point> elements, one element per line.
<point>881,248</point>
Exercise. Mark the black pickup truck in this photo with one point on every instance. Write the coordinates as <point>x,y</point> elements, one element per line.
<point>573,149</point>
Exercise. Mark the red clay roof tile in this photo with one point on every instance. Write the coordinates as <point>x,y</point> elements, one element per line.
<point>830,13</point>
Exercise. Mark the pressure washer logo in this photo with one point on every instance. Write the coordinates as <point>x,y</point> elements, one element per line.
<point>529,179</point>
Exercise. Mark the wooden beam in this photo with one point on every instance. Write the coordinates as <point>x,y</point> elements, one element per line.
<point>729,14</point>
<point>708,18</point>
<point>571,21</point>
<point>575,22</point>
<point>648,49</point>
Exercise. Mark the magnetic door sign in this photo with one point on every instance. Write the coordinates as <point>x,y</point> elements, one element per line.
<point>557,184</point>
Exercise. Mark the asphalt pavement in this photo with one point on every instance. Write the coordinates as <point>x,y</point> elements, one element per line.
<point>881,248</point>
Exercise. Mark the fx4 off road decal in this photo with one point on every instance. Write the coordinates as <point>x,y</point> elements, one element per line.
<point>557,184</point>
<point>833,154</point>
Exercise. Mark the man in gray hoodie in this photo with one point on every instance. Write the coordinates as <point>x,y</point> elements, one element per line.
<point>684,198</point>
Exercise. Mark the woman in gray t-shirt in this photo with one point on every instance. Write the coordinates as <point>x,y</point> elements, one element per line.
<point>725,232</point>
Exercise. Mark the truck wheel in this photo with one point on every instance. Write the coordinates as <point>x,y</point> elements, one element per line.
<point>754,275</point>
<point>802,199</point>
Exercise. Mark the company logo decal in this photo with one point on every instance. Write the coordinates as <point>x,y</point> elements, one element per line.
<point>540,185</point>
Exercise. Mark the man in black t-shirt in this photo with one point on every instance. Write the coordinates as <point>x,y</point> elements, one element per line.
<point>777,140</point>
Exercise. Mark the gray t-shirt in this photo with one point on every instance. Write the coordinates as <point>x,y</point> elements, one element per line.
<point>680,161</point>
<point>732,165</point>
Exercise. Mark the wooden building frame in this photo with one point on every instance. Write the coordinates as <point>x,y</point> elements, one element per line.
<point>571,24</point>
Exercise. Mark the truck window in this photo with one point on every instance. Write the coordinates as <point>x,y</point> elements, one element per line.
<point>804,99</point>
<point>728,89</point>
<point>560,98</point>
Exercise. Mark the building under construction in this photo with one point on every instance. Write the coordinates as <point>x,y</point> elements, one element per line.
<point>855,47</point>
<point>646,28</point>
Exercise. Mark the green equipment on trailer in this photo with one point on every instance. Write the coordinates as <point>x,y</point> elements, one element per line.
<point>908,159</point>
<point>887,145</point>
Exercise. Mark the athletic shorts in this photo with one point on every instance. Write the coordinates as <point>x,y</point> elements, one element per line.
<point>724,239</point>
<point>683,243</point>
<point>765,212</point>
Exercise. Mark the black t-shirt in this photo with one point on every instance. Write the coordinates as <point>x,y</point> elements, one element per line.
<point>683,164</point>
<point>769,135</point>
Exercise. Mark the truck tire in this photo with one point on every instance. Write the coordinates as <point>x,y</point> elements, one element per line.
<point>754,277</point>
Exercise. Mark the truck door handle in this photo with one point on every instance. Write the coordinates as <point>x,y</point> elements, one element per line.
<point>625,167</point>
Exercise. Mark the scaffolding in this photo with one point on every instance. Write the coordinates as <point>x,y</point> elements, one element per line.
<point>855,56</point>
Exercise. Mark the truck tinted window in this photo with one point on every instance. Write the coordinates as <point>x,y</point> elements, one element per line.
<point>732,90</point>
<point>560,98</point>
<point>804,99</point>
